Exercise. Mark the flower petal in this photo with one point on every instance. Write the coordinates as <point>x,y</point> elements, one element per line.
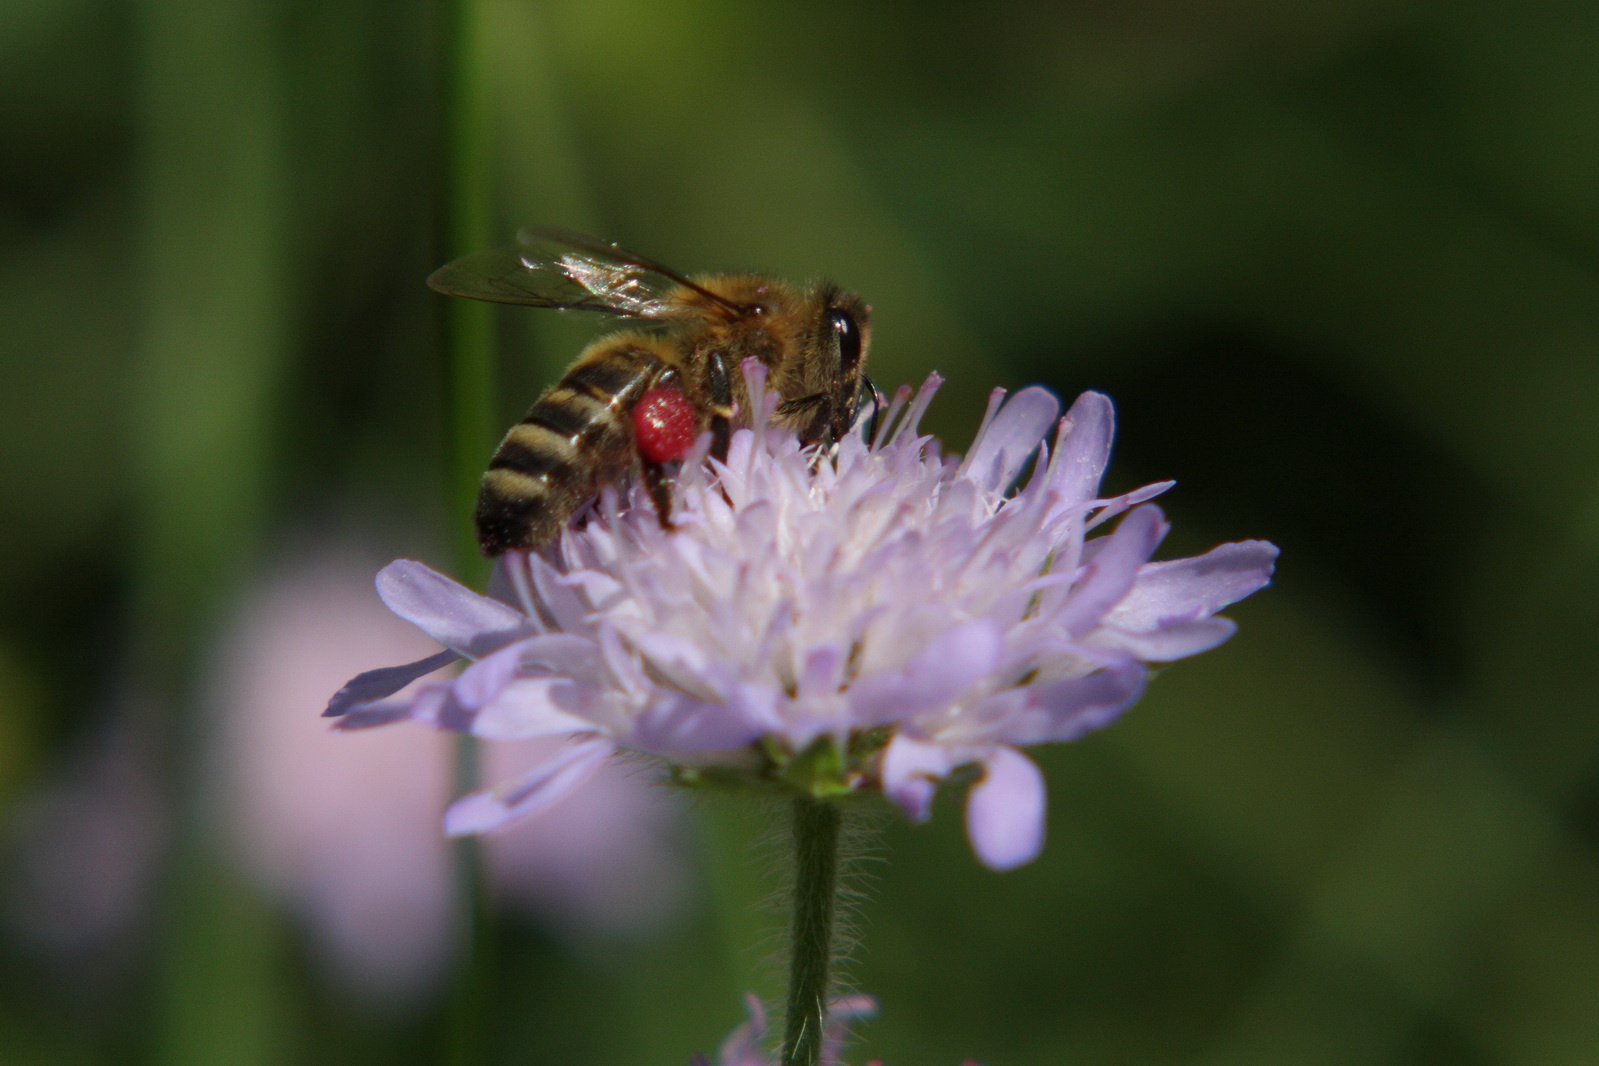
<point>478,684</point>
<point>556,597</point>
<point>486,678</point>
<point>1113,568</point>
<point>1071,709</point>
<point>1002,450</point>
<point>563,655</point>
<point>743,1045</point>
<point>911,772</point>
<point>821,672</point>
<point>1083,451</point>
<point>450,613</point>
<point>528,707</point>
<point>384,681</point>
<point>372,715</point>
<point>681,725</point>
<point>840,1013</point>
<point>1105,510</point>
<point>678,660</point>
<point>1005,811</point>
<point>1177,640</point>
<point>948,666</point>
<point>424,706</point>
<point>1184,589</point>
<point>551,780</point>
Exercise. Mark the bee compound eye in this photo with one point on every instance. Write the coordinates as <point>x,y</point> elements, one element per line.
<point>848,336</point>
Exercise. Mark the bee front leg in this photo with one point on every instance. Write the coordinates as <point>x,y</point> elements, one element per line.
<point>809,417</point>
<point>719,390</point>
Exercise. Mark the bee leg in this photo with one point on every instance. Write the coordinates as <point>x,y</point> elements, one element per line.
<point>811,416</point>
<point>865,413</point>
<point>719,390</point>
<point>659,484</point>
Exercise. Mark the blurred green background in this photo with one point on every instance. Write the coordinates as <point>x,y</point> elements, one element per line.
<point>1337,263</point>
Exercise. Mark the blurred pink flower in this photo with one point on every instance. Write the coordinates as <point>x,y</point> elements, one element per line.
<point>82,852</point>
<point>743,1045</point>
<point>609,860</point>
<point>331,829</point>
<point>342,828</point>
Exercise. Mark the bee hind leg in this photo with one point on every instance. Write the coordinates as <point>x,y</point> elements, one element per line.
<point>663,433</point>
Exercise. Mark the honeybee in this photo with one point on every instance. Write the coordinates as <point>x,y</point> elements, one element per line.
<point>637,399</point>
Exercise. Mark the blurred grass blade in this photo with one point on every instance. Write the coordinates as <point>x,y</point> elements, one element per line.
<point>212,352</point>
<point>469,356</point>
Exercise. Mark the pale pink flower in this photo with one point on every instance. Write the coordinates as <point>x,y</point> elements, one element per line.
<point>743,1046</point>
<point>331,829</point>
<point>916,612</point>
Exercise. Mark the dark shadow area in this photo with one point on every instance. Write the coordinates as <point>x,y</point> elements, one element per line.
<point>1262,445</point>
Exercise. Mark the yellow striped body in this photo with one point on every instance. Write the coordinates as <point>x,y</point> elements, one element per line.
<point>576,438</point>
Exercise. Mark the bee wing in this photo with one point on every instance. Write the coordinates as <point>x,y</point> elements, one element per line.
<point>560,268</point>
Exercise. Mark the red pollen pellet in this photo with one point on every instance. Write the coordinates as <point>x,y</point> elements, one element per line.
<point>663,424</point>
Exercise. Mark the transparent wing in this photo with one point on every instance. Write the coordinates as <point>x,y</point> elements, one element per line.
<point>560,268</point>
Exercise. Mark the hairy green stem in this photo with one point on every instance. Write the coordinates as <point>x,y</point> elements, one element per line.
<point>817,825</point>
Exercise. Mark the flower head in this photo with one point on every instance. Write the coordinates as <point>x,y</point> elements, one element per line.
<point>876,616</point>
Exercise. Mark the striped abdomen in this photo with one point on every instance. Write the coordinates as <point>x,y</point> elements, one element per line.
<point>576,438</point>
